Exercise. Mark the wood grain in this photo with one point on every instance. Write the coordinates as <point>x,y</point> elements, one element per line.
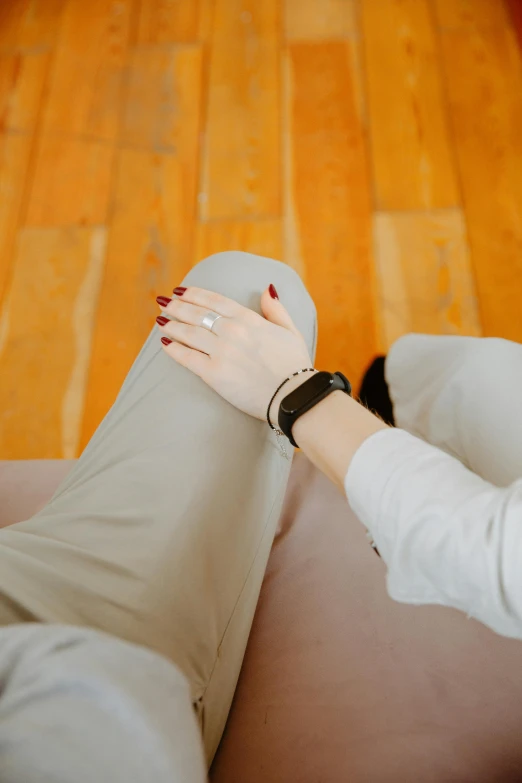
<point>486,112</point>
<point>262,237</point>
<point>160,112</point>
<point>14,156</point>
<point>153,218</point>
<point>71,182</point>
<point>412,161</point>
<point>44,355</point>
<point>515,16</point>
<point>85,88</point>
<point>21,85</point>
<point>331,203</point>
<point>307,20</point>
<point>242,152</point>
<point>149,252</point>
<point>29,24</point>
<point>452,14</point>
<point>206,20</point>
<point>425,277</point>
<point>169,21</point>
<point>22,78</point>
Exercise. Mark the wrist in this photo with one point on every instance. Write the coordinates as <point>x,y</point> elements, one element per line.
<point>292,384</point>
<point>331,432</point>
<point>320,409</point>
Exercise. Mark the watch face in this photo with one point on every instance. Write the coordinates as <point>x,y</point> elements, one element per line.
<point>309,390</point>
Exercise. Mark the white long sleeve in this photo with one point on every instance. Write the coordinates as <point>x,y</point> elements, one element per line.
<point>447,536</point>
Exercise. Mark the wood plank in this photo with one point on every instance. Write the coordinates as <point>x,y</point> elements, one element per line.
<point>149,252</point>
<point>169,21</point>
<point>14,156</point>
<point>71,182</point>
<point>48,349</point>
<point>174,21</point>
<point>262,237</point>
<point>242,155</point>
<point>486,113</point>
<point>152,227</point>
<point>452,14</point>
<point>206,20</point>
<point>29,24</point>
<point>515,15</point>
<point>308,20</point>
<point>21,84</point>
<point>426,282</point>
<point>11,15</point>
<point>85,89</point>
<point>412,161</point>
<point>330,202</point>
<point>160,112</point>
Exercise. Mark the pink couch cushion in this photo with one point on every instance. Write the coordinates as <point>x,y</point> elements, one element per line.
<point>27,485</point>
<point>341,684</point>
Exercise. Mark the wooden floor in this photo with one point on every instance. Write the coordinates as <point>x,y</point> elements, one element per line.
<point>373,145</point>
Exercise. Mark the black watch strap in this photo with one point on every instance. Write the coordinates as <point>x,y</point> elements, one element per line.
<point>308,394</point>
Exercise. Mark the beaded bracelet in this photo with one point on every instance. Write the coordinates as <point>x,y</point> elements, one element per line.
<point>276,429</point>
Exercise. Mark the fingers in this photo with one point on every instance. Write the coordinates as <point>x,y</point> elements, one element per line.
<point>209,300</point>
<point>190,305</point>
<point>195,361</point>
<point>275,311</point>
<point>195,337</point>
<point>185,311</point>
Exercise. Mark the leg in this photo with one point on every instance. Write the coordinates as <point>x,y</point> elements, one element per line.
<point>161,533</point>
<point>462,394</point>
<point>104,709</point>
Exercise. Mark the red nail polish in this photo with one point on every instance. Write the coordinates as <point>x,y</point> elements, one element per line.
<point>163,300</point>
<point>161,320</point>
<point>166,341</point>
<point>272,291</point>
<point>180,290</point>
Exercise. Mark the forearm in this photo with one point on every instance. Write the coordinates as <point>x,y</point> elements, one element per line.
<point>332,431</point>
<point>447,536</point>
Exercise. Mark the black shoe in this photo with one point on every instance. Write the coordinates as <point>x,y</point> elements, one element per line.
<point>374,391</point>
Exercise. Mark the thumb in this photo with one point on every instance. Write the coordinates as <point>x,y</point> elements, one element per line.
<point>274,311</point>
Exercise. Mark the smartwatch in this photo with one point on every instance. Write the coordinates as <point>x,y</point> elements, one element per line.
<point>308,394</point>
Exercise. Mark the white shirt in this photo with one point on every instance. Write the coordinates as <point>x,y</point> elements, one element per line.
<point>447,536</point>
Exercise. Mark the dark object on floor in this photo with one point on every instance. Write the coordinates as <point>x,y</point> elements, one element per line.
<point>374,391</point>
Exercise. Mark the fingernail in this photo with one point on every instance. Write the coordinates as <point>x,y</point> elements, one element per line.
<point>163,300</point>
<point>161,320</point>
<point>166,341</point>
<point>272,291</point>
<point>180,290</point>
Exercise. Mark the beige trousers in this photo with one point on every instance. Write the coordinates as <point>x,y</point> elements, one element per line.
<point>461,394</point>
<point>161,532</point>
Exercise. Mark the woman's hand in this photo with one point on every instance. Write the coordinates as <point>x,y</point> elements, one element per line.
<point>246,356</point>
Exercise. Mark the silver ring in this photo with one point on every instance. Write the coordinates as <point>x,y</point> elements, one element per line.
<point>209,320</point>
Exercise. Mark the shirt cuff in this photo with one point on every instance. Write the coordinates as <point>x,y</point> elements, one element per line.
<point>380,457</point>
